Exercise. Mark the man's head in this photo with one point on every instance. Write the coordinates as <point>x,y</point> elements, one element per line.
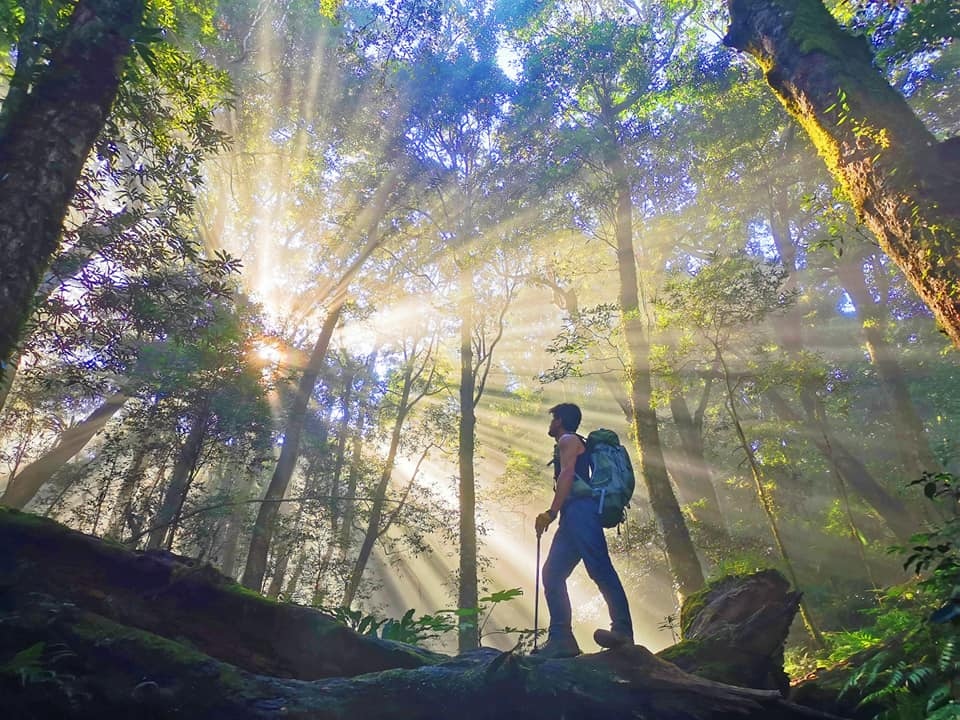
<point>566,418</point>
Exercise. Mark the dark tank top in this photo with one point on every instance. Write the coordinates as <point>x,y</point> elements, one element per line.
<point>582,466</point>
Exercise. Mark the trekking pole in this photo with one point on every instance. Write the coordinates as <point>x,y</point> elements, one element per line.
<point>536,598</point>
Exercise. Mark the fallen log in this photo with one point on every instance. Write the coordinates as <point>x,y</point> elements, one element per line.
<point>92,630</point>
<point>172,596</point>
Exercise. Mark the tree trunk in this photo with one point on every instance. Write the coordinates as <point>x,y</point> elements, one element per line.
<point>380,495</point>
<point>325,557</point>
<point>353,478</point>
<point>231,539</point>
<point>695,483</point>
<point>335,292</point>
<point>27,483</point>
<point>912,443</point>
<point>164,524</point>
<point>123,503</point>
<point>684,564</point>
<point>903,184</point>
<point>897,516</point>
<point>266,517</point>
<point>45,144</point>
<point>294,581</point>
<point>767,504</point>
<point>468,595</point>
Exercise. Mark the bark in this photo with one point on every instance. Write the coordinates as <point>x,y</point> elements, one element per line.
<point>27,483</point>
<point>131,478</point>
<point>45,144</point>
<point>912,444</point>
<point>684,564</point>
<point>164,524</point>
<point>694,481</point>
<point>898,517</point>
<point>468,596</point>
<point>380,494</point>
<point>263,527</point>
<point>903,184</point>
<point>326,555</point>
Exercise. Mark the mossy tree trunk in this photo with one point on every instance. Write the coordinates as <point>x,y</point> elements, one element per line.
<point>903,184</point>
<point>44,144</point>
<point>127,634</point>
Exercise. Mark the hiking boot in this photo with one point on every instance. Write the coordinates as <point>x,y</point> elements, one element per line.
<point>611,639</point>
<point>554,648</point>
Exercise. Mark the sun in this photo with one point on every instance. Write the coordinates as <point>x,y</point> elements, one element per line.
<point>268,351</point>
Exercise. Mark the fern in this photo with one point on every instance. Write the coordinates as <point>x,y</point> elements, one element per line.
<point>950,711</point>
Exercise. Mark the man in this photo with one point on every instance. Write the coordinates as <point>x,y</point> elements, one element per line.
<point>579,537</point>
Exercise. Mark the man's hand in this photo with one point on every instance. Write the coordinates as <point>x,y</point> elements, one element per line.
<point>543,520</point>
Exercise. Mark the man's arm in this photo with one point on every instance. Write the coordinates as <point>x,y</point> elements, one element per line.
<point>569,451</point>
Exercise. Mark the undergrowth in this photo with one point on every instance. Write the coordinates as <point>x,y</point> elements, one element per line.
<point>906,659</point>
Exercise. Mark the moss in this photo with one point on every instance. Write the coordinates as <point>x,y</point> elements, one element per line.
<point>238,589</point>
<point>681,651</point>
<point>815,30</point>
<point>101,631</point>
<point>12,516</point>
<point>694,603</point>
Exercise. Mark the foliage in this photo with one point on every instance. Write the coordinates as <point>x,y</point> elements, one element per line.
<point>30,665</point>
<point>910,657</point>
<point>410,629</point>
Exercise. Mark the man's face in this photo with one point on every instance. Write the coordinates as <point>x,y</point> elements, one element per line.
<point>556,427</point>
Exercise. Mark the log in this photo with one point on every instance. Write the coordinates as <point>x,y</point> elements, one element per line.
<point>734,631</point>
<point>93,630</point>
<point>168,595</point>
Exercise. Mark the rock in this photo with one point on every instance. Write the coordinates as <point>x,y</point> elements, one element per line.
<point>735,629</point>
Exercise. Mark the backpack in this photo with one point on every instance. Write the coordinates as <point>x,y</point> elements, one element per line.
<point>611,478</point>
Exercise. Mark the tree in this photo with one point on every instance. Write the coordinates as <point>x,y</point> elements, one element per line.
<point>416,378</point>
<point>717,303</point>
<point>45,142</point>
<point>902,182</point>
<point>587,86</point>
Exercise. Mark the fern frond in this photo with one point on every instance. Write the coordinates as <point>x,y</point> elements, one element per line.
<point>951,711</point>
<point>938,698</point>
<point>920,677</point>
<point>949,655</point>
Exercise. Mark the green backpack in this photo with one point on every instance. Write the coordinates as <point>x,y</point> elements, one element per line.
<point>611,478</point>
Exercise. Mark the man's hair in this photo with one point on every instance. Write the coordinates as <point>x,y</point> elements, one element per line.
<point>569,415</point>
